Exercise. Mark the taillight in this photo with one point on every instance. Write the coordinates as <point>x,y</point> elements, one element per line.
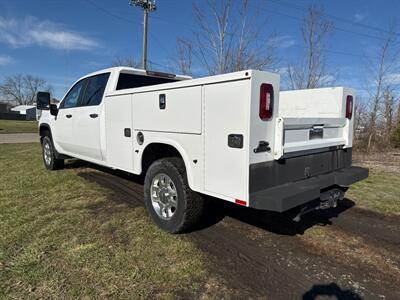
<point>266,101</point>
<point>349,107</point>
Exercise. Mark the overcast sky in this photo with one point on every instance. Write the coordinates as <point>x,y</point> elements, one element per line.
<point>61,40</point>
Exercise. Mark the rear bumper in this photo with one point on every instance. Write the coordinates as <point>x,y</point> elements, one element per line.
<point>286,196</point>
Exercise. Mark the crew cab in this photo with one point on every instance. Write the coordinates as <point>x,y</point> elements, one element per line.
<point>233,136</point>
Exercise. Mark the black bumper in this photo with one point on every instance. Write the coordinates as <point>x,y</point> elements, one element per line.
<point>286,196</point>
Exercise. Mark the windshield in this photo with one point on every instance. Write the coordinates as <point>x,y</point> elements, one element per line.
<point>128,81</point>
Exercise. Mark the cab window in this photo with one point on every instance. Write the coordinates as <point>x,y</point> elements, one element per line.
<point>95,89</point>
<point>72,98</point>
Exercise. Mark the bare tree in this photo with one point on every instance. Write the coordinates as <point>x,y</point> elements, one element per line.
<point>311,71</point>
<point>130,62</point>
<point>398,110</point>
<point>360,118</point>
<point>23,88</point>
<point>395,137</point>
<point>381,69</point>
<point>228,38</point>
<point>388,112</point>
<point>184,56</point>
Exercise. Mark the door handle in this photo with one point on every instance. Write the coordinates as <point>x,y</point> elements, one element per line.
<point>93,116</point>
<point>68,116</point>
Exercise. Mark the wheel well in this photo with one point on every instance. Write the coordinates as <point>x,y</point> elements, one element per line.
<point>43,130</point>
<point>157,151</point>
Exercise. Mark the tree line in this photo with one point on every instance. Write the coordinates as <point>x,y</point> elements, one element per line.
<point>229,36</point>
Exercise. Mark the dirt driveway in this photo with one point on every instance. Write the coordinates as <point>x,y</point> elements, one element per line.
<point>350,253</point>
<point>12,138</point>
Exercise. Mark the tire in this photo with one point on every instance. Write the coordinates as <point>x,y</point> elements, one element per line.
<point>188,205</point>
<point>48,154</point>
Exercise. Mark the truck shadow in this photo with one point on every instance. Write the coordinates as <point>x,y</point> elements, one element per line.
<point>282,223</point>
<point>128,188</point>
<point>331,290</point>
<point>279,223</point>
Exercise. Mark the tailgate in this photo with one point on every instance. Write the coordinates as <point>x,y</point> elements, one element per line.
<point>312,119</point>
<point>312,133</point>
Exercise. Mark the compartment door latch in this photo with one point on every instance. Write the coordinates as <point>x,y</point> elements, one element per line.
<point>162,101</point>
<point>263,146</point>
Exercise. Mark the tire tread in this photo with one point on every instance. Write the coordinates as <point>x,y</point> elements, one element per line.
<point>56,164</point>
<point>194,202</point>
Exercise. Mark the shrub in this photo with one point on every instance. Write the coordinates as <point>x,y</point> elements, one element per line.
<point>396,135</point>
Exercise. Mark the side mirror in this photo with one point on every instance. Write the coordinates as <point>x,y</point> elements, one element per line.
<point>53,110</point>
<point>43,100</point>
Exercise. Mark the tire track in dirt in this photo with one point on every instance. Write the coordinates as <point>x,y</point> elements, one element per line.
<point>281,267</point>
<point>253,259</point>
<point>379,229</point>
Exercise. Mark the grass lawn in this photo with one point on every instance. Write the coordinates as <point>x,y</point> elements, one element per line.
<point>379,192</point>
<point>63,237</point>
<point>12,126</point>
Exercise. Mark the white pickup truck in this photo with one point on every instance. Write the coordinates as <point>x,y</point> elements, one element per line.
<point>232,136</point>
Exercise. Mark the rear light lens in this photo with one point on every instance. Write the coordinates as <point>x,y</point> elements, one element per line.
<point>349,107</point>
<point>241,202</point>
<point>266,101</point>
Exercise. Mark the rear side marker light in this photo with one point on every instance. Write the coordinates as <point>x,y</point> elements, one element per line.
<point>266,101</point>
<point>349,107</point>
<point>241,202</point>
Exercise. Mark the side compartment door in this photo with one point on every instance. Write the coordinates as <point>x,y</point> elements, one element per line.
<point>86,128</point>
<point>63,124</point>
<point>226,111</point>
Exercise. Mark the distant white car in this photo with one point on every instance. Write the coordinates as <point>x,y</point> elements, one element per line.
<point>231,136</point>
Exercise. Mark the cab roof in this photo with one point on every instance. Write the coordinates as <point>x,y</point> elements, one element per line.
<point>139,72</point>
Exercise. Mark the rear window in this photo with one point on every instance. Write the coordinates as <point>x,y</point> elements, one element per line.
<point>128,81</point>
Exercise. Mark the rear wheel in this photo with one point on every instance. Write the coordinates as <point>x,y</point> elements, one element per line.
<point>49,157</point>
<point>172,205</point>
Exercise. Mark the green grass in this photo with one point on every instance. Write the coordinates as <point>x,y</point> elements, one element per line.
<point>11,126</point>
<point>64,237</point>
<point>379,192</point>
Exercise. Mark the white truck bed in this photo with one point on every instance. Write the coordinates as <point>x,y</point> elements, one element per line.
<point>198,117</point>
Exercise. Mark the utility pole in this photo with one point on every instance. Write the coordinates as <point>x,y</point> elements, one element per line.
<point>148,6</point>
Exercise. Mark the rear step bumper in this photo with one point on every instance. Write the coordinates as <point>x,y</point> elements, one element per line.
<point>286,196</point>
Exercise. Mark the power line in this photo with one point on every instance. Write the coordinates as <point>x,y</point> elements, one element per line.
<point>336,27</point>
<point>111,14</point>
<point>169,21</point>
<point>115,16</point>
<point>157,64</point>
<point>302,8</point>
<point>152,36</point>
<point>342,53</point>
<point>292,17</point>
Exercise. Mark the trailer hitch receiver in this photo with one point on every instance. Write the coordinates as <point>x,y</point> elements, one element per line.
<point>328,199</point>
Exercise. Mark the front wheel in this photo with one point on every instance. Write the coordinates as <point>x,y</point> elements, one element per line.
<point>49,157</point>
<point>172,205</point>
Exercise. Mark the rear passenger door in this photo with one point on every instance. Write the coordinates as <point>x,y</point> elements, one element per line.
<point>67,113</point>
<point>86,127</point>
